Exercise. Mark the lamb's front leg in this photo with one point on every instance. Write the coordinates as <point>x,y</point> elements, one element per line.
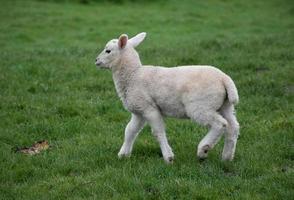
<point>156,122</point>
<point>133,128</point>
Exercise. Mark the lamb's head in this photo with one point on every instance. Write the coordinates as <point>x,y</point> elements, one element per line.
<point>116,49</point>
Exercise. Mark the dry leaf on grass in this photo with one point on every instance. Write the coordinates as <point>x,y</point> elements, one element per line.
<point>35,148</point>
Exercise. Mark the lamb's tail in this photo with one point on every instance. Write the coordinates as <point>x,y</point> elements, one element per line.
<point>231,89</point>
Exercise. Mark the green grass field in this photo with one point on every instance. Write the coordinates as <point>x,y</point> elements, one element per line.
<point>50,89</point>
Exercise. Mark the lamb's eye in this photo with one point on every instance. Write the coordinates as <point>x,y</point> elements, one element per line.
<point>107,51</point>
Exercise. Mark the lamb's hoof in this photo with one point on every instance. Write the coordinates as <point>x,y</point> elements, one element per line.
<point>202,152</point>
<point>123,155</point>
<point>169,160</point>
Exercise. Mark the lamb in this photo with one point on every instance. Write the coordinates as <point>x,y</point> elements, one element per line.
<point>203,94</point>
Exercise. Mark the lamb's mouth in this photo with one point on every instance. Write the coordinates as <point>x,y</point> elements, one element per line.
<point>98,64</point>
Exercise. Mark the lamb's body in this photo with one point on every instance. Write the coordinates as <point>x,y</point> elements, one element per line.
<point>202,93</point>
<point>178,92</point>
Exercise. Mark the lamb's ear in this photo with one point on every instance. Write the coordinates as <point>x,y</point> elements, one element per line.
<point>122,41</point>
<point>135,41</point>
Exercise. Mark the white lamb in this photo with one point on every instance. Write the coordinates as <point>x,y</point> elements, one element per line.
<point>202,93</point>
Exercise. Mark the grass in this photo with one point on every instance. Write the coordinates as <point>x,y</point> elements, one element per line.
<point>50,89</point>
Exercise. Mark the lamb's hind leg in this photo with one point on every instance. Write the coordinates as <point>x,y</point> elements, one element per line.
<point>156,122</point>
<point>134,126</point>
<point>232,131</point>
<point>217,126</point>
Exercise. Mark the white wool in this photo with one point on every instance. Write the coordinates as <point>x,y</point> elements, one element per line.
<point>202,93</point>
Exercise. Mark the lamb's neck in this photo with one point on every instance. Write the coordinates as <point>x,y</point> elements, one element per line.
<point>123,75</point>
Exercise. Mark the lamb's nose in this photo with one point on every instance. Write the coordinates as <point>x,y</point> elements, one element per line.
<point>96,59</point>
